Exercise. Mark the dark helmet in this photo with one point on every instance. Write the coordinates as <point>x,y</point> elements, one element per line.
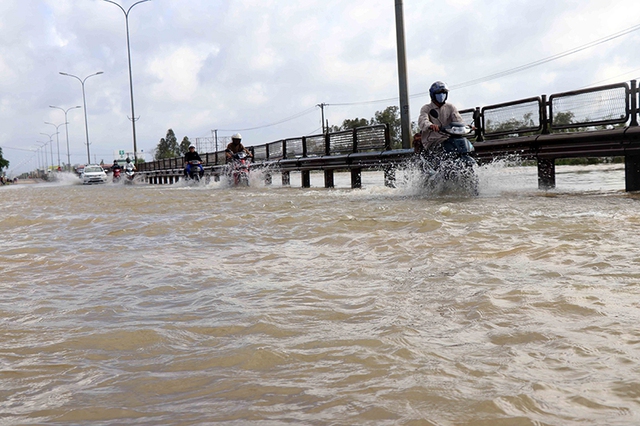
<point>128,160</point>
<point>439,88</point>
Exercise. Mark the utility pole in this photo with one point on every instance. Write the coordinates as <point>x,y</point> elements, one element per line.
<point>322,105</point>
<point>405,118</point>
<point>214,133</point>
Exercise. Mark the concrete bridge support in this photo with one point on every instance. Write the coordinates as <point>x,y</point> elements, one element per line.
<point>390,177</point>
<point>632,172</point>
<point>306,179</point>
<point>356,178</point>
<point>328,179</point>
<point>286,178</point>
<point>546,173</point>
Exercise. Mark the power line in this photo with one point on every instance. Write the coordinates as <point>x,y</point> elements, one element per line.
<point>545,60</point>
<point>460,85</point>
<point>511,70</point>
<point>284,120</point>
<point>611,78</point>
<point>17,149</point>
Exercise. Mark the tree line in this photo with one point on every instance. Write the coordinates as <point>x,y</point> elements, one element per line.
<point>3,162</point>
<point>389,116</point>
<point>168,147</point>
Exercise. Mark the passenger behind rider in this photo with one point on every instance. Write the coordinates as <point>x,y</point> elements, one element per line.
<point>234,147</point>
<point>434,116</point>
<point>192,155</point>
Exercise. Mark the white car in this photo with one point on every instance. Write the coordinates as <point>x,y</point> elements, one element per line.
<point>93,173</point>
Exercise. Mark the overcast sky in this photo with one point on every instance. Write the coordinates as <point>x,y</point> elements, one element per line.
<point>237,65</point>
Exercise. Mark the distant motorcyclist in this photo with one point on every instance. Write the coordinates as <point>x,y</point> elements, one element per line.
<point>192,156</point>
<point>436,115</point>
<point>115,166</point>
<point>129,167</point>
<point>234,147</point>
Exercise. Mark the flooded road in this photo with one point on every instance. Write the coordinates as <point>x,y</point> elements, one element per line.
<point>176,305</point>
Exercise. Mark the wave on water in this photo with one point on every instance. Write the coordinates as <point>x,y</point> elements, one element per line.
<point>64,179</point>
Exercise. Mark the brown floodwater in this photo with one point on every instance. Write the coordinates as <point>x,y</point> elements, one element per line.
<point>178,305</point>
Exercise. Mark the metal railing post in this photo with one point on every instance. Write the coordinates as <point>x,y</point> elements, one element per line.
<point>634,103</point>
<point>387,137</point>
<point>477,122</point>
<point>327,143</point>
<point>545,120</point>
<point>354,142</point>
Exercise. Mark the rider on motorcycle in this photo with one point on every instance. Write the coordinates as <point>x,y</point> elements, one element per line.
<point>115,166</point>
<point>234,147</point>
<point>190,156</point>
<point>435,115</point>
<point>129,167</point>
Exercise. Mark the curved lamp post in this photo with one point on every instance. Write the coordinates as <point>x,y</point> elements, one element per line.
<point>133,114</point>
<point>57,138</point>
<point>84,100</point>
<point>66,122</point>
<point>44,156</point>
<point>38,148</point>
<point>51,143</point>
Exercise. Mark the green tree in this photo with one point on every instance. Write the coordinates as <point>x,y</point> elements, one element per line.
<point>563,118</point>
<point>3,163</point>
<point>352,124</point>
<point>168,146</point>
<point>391,117</point>
<point>184,145</point>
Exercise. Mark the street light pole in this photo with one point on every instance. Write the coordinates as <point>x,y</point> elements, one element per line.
<point>51,143</point>
<point>66,122</point>
<point>38,154</point>
<point>44,156</point>
<point>84,100</point>
<point>133,114</point>
<point>57,139</point>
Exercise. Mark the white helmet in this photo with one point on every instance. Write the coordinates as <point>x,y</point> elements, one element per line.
<point>236,136</point>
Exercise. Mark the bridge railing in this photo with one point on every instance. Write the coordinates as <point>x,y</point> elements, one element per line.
<point>359,140</point>
<point>612,104</point>
<point>522,116</point>
<point>605,105</point>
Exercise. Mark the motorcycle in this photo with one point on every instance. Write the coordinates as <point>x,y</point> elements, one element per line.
<point>117,175</point>
<point>194,170</point>
<point>129,176</point>
<point>239,169</point>
<point>451,166</point>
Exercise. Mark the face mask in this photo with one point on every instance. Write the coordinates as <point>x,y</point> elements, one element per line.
<point>441,97</point>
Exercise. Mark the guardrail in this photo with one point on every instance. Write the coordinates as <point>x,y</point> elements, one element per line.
<point>597,122</point>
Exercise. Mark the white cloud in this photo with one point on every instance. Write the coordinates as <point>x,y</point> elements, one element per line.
<point>176,70</point>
